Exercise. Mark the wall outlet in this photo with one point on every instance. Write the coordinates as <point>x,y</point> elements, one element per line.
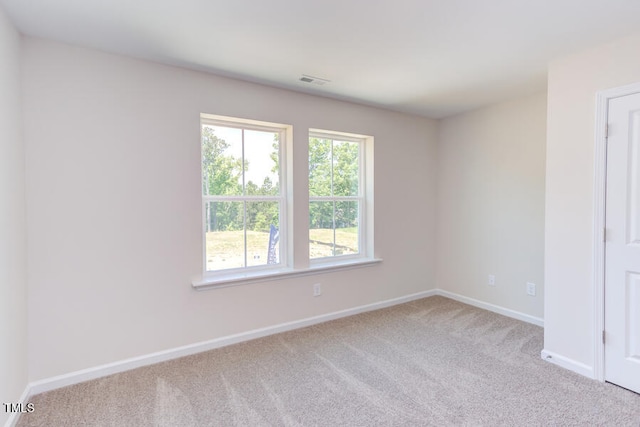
<point>492,280</point>
<point>531,289</point>
<point>317,289</point>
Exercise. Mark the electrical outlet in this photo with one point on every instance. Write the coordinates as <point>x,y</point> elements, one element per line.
<point>492,280</point>
<point>531,289</point>
<point>317,289</point>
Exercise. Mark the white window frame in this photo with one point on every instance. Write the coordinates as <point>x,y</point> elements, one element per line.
<point>364,197</point>
<point>294,251</point>
<point>233,274</point>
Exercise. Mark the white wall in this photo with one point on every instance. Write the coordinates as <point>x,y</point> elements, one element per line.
<point>13,281</point>
<point>114,216</point>
<point>490,204</point>
<point>569,247</point>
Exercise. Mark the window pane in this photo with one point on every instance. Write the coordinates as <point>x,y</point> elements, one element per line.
<point>263,222</point>
<point>221,160</point>
<point>224,235</point>
<point>321,240</point>
<point>261,154</point>
<point>345,168</point>
<point>319,167</point>
<point>346,220</point>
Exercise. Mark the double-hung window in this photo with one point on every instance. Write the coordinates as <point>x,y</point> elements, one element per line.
<point>243,194</point>
<point>253,229</point>
<point>337,209</point>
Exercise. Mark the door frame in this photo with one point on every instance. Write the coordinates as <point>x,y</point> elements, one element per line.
<point>599,219</point>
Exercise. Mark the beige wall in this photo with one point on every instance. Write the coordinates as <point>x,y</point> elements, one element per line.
<point>13,281</point>
<point>569,246</point>
<point>490,204</point>
<point>114,207</point>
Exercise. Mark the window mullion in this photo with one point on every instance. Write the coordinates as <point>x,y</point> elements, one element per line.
<point>331,198</point>
<point>244,201</point>
<point>242,165</point>
<point>334,228</point>
<point>244,220</point>
<point>333,216</point>
<point>332,159</point>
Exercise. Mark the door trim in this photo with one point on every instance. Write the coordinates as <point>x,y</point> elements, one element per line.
<point>600,187</point>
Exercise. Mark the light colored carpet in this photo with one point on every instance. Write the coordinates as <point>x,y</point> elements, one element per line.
<point>429,362</point>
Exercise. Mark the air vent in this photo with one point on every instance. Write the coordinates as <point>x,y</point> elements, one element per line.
<point>313,80</point>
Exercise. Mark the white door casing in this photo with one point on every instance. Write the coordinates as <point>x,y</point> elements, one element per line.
<point>622,246</point>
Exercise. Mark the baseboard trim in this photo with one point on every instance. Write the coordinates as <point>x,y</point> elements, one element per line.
<point>566,363</point>
<point>88,374</point>
<point>24,399</point>
<point>77,377</point>
<point>490,307</point>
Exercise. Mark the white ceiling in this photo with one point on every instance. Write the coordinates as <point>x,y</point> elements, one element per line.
<point>428,57</point>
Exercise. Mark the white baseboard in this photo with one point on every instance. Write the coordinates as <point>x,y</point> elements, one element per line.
<point>566,363</point>
<point>490,307</point>
<point>162,356</point>
<point>76,377</point>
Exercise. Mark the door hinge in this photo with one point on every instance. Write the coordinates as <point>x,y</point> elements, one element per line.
<point>604,234</point>
<point>606,131</point>
<point>603,337</point>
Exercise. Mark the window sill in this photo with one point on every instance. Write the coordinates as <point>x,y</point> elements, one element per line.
<point>262,276</point>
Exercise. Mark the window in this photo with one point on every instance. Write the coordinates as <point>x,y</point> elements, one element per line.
<point>336,195</point>
<point>243,194</point>
<point>253,227</point>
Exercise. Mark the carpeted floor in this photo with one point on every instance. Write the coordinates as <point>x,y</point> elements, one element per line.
<point>429,362</point>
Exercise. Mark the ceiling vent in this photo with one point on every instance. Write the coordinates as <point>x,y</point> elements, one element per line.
<point>313,80</point>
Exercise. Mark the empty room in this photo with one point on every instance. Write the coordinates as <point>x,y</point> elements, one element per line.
<point>319,213</point>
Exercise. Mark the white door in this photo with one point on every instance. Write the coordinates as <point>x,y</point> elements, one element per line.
<point>622,265</point>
